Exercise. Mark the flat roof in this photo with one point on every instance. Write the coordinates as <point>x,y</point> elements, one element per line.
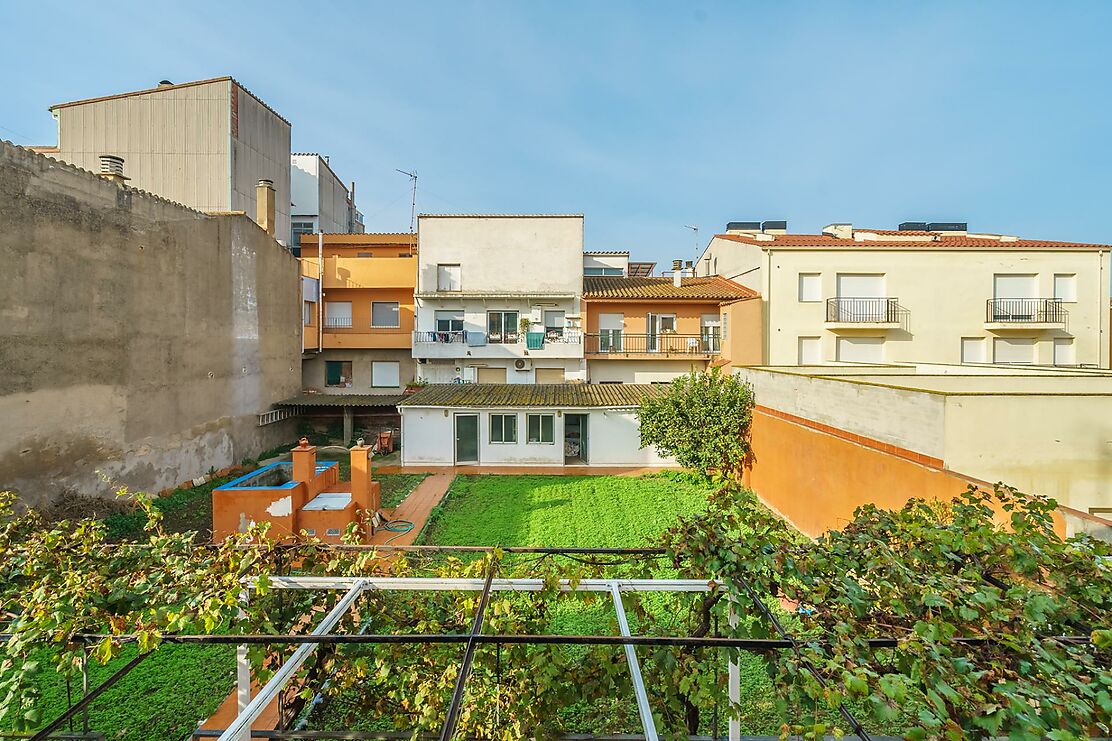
<point>554,395</point>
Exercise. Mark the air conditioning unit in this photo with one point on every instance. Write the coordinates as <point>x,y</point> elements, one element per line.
<point>522,364</point>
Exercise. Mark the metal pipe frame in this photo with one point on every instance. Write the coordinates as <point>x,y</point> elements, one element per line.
<point>88,699</point>
<point>648,725</point>
<point>451,722</point>
<point>433,584</point>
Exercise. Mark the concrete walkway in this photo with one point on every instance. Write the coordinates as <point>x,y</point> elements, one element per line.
<point>530,470</point>
<point>415,508</point>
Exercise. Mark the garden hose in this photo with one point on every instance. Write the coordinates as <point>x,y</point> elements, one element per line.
<point>401,527</point>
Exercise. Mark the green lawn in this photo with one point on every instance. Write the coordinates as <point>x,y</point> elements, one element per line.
<point>581,511</point>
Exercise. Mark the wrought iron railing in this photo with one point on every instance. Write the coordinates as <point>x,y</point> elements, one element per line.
<point>1025,311</point>
<point>564,337</point>
<point>863,310</point>
<point>665,343</point>
<point>447,336</point>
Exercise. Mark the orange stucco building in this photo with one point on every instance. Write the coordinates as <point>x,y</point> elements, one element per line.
<point>651,329</point>
<point>299,499</point>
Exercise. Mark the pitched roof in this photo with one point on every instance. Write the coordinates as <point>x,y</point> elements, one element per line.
<point>930,239</point>
<point>554,395</point>
<point>712,288</point>
<point>341,400</point>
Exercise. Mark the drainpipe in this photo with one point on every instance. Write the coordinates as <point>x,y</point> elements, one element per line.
<point>320,292</point>
<point>1104,311</point>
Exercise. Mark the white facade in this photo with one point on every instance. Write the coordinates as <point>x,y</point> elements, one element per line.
<point>861,296</point>
<point>481,279</point>
<point>606,263</point>
<point>321,201</point>
<point>613,438</point>
<point>203,144</point>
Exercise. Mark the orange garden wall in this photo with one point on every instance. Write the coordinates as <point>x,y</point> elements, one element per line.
<point>816,476</point>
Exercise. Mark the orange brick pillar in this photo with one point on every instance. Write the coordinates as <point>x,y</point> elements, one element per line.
<point>304,462</point>
<point>364,491</point>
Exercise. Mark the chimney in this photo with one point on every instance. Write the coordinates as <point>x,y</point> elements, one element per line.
<point>364,492</point>
<point>677,273</point>
<point>264,205</point>
<point>839,231</point>
<point>112,168</point>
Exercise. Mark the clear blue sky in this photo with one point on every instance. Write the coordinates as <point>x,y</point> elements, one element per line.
<point>644,116</point>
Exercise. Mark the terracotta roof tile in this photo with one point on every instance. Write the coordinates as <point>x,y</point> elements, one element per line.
<point>713,288</point>
<point>556,395</point>
<point>342,400</point>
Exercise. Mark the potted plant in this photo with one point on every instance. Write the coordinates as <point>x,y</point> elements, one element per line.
<point>523,327</point>
<point>412,387</point>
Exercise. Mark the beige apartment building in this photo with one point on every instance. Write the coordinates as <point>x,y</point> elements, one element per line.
<point>921,293</point>
<point>203,144</point>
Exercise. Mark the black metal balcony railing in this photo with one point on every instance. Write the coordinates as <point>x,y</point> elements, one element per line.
<point>873,310</point>
<point>617,342</point>
<point>562,337</point>
<point>445,336</point>
<point>1025,311</point>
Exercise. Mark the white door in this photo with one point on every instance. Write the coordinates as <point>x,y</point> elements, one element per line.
<point>861,349</point>
<point>810,350</point>
<point>1013,350</point>
<point>610,332</point>
<point>658,324</point>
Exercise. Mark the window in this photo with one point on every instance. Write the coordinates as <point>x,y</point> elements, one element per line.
<point>810,350</point>
<point>384,314</point>
<point>1065,287</point>
<point>553,324</point>
<point>610,332</point>
<point>1064,353</point>
<point>540,428</point>
<point>861,349</point>
<point>385,374</point>
<point>710,331</point>
<point>855,285</point>
<point>307,311</point>
<point>502,326</point>
<point>311,532</point>
<point>1013,350</point>
<point>337,314</point>
<point>503,428</point>
<point>364,254</point>
<point>974,350</point>
<point>337,373</point>
<point>491,375</point>
<point>550,375</point>
<point>447,278</point>
<point>297,229</point>
<point>333,532</point>
<point>810,287</point>
<point>449,321</point>
<point>1007,285</point>
<point>603,271</point>
<point>725,327</point>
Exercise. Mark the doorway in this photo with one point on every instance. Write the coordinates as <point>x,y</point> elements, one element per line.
<point>576,442</point>
<point>467,438</point>
<point>657,325</point>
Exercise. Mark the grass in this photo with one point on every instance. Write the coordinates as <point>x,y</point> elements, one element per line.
<point>184,510</point>
<point>582,511</point>
<point>397,486</point>
<point>163,697</point>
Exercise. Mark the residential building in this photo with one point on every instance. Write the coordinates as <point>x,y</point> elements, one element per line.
<point>203,144</point>
<point>146,341</point>
<point>358,327</point>
<point>653,329</point>
<point>921,293</point>
<point>828,439</point>
<point>497,298</point>
<point>526,425</point>
<point>321,201</point>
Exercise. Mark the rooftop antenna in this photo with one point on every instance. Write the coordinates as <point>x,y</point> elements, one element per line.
<point>694,228</point>
<point>413,203</point>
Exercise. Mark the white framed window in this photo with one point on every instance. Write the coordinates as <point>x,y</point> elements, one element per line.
<point>861,285</point>
<point>1013,350</point>
<point>1064,351</point>
<point>974,350</point>
<point>810,350</point>
<point>332,532</point>
<point>307,310</point>
<point>385,374</point>
<point>860,349</point>
<point>337,314</point>
<point>549,375</point>
<point>1015,285</point>
<point>448,278</point>
<point>810,287</point>
<point>1065,287</point>
<point>449,321</point>
<point>540,428</point>
<point>385,314</point>
<point>503,428</point>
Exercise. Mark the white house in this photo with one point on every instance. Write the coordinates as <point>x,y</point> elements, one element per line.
<point>320,200</point>
<point>926,292</point>
<point>497,299</point>
<point>526,425</point>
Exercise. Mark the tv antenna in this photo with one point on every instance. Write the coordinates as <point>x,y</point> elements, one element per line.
<point>694,228</point>
<point>413,202</point>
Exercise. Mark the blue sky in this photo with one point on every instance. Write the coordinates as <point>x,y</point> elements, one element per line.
<point>643,116</point>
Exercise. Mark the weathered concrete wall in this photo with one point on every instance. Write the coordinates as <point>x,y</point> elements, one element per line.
<point>139,338</point>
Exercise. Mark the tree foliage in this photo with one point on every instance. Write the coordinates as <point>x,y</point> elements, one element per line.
<point>703,421</point>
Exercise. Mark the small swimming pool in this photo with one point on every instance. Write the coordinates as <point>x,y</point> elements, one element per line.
<point>277,475</point>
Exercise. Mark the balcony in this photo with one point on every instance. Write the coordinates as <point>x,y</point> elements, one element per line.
<point>1025,313</point>
<point>369,272</point>
<point>618,344</point>
<point>554,343</point>
<point>341,333</point>
<point>848,312</point>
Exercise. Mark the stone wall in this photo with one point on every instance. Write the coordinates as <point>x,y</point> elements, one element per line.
<point>139,339</point>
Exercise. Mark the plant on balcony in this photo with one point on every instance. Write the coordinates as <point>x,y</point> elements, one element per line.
<point>524,325</point>
<point>702,421</point>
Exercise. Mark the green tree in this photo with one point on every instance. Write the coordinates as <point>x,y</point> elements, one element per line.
<point>702,421</point>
